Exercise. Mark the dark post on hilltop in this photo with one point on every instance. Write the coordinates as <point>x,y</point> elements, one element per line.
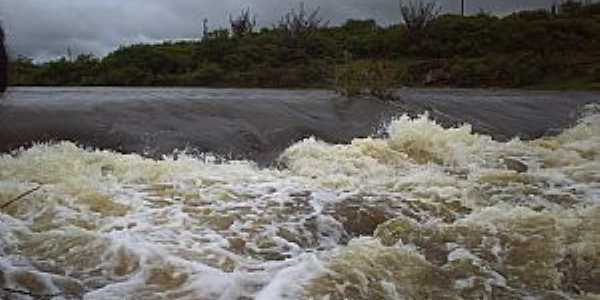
<point>3,63</point>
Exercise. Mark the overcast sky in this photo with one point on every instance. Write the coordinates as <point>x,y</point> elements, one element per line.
<point>45,29</point>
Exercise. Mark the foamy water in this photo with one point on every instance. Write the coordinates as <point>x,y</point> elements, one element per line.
<point>426,213</point>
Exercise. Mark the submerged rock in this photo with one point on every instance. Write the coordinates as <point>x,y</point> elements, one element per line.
<point>515,165</point>
<point>221,222</point>
<point>360,217</point>
<point>70,288</point>
<point>166,277</point>
<point>362,214</point>
<point>563,199</point>
<point>237,245</point>
<point>102,204</point>
<point>30,282</point>
<point>429,240</point>
<point>124,262</point>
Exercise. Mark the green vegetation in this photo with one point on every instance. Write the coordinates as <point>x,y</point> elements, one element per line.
<point>367,77</point>
<point>556,48</point>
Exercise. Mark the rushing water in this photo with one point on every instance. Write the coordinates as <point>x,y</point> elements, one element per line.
<point>260,124</point>
<point>421,213</point>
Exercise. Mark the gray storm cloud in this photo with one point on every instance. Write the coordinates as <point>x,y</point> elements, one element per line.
<point>44,29</point>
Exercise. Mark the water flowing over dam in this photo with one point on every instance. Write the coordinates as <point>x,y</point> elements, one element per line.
<point>321,198</point>
<point>260,124</point>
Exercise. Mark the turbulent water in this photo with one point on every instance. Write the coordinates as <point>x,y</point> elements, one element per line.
<point>259,124</point>
<point>424,213</point>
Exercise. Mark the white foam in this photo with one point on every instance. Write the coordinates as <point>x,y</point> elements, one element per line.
<point>190,214</point>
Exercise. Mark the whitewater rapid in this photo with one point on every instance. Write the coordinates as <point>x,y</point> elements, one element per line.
<point>424,213</point>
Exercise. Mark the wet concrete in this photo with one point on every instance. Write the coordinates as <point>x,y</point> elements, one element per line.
<point>259,124</point>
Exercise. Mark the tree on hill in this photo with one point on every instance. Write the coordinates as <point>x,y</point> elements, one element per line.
<point>243,24</point>
<point>417,15</point>
<point>301,24</point>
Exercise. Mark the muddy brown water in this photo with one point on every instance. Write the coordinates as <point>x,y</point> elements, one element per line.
<point>417,212</point>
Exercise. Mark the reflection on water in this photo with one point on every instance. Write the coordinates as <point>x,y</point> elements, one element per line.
<point>426,213</point>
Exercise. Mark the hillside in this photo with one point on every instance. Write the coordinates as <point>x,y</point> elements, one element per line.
<point>558,49</point>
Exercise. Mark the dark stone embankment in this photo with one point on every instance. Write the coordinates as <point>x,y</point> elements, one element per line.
<point>259,124</point>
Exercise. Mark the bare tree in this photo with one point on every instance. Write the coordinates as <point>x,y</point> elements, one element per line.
<point>417,15</point>
<point>301,24</point>
<point>205,29</point>
<point>243,24</point>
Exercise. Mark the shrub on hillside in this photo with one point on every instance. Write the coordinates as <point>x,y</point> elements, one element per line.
<point>374,78</point>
